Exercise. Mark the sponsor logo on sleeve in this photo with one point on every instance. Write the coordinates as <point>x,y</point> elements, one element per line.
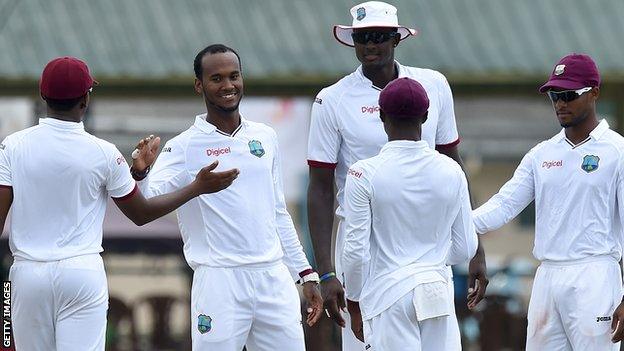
<point>166,149</point>
<point>370,109</point>
<point>318,101</point>
<point>120,160</point>
<point>551,164</point>
<point>603,319</point>
<point>354,173</point>
<point>218,151</point>
<point>590,163</point>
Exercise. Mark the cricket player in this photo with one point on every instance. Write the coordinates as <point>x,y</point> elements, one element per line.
<point>407,215</point>
<point>577,181</point>
<point>345,128</point>
<point>56,178</point>
<point>241,243</point>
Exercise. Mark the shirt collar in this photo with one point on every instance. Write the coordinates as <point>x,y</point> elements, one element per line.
<point>595,134</point>
<point>57,123</point>
<point>405,144</point>
<point>207,127</point>
<point>362,77</point>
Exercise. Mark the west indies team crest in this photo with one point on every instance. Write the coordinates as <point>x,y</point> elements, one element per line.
<point>361,13</point>
<point>204,323</point>
<point>255,148</point>
<point>590,163</point>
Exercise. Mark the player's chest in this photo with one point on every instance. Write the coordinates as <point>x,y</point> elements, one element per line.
<point>567,168</point>
<point>250,154</point>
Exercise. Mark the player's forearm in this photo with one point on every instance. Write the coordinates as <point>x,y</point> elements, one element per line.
<point>142,211</point>
<point>320,221</point>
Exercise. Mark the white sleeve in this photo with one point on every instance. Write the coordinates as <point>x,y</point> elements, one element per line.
<point>119,182</point>
<point>5,163</point>
<point>620,201</point>
<point>294,257</point>
<point>324,139</point>
<point>168,172</point>
<point>356,253</point>
<point>510,200</point>
<point>463,235</point>
<point>446,133</point>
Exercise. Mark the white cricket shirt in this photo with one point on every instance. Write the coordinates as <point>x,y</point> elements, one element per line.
<point>245,224</point>
<point>345,126</point>
<point>407,211</point>
<point>578,192</point>
<point>61,177</point>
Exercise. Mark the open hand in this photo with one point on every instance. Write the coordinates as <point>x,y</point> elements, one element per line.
<point>208,181</point>
<point>145,153</point>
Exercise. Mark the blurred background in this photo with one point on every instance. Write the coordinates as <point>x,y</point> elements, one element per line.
<point>495,54</point>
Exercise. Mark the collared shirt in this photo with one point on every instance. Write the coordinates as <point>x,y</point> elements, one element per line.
<point>345,126</point>
<point>407,211</point>
<point>578,192</point>
<point>245,224</point>
<point>61,177</point>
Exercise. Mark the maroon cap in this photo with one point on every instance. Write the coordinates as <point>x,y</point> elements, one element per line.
<point>404,98</point>
<point>65,78</point>
<point>573,72</point>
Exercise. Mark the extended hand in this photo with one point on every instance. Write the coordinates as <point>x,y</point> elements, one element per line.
<point>334,299</point>
<point>315,302</point>
<point>208,181</point>
<point>145,153</point>
<point>477,279</point>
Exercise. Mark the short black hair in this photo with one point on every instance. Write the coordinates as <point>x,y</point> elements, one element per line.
<point>63,104</point>
<point>212,49</point>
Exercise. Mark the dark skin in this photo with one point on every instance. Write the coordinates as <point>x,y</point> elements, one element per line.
<point>578,118</point>
<point>377,65</point>
<point>221,86</point>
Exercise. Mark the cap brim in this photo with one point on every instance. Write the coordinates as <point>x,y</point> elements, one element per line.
<point>560,84</point>
<point>343,33</point>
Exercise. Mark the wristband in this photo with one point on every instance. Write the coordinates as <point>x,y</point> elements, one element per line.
<point>327,276</point>
<point>310,277</point>
<point>138,176</point>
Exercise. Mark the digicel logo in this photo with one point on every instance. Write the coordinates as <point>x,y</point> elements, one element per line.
<point>370,109</point>
<point>218,151</point>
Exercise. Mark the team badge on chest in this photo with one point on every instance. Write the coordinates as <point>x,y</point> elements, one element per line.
<point>255,148</point>
<point>590,163</point>
<point>204,323</point>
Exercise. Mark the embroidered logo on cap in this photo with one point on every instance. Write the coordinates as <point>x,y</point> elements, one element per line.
<point>361,13</point>
<point>559,70</point>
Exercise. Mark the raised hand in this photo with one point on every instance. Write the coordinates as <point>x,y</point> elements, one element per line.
<point>145,153</point>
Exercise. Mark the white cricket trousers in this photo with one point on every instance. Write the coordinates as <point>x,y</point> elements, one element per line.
<point>572,304</point>
<point>254,306</point>
<point>398,328</point>
<point>59,305</point>
<point>349,341</point>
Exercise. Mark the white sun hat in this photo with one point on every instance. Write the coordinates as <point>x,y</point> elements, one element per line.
<point>371,14</point>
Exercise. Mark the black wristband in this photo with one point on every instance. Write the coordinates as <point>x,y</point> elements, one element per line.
<point>138,176</point>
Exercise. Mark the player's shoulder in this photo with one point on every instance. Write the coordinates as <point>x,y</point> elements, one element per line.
<point>423,74</point>
<point>108,148</point>
<point>260,128</point>
<point>18,136</point>
<point>335,91</point>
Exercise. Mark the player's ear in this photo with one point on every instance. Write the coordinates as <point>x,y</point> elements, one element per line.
<point>198,86</point>
<point>85,101</point>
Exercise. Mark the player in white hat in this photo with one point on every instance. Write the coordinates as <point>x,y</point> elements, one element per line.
<point>345,128</point>
<point>241,243</point>
<point>577,181</point>
<point>56,178</point>
<point>395,260</point>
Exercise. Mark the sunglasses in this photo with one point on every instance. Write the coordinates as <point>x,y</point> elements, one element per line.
<point>567,95</point>
<point>374,37</point>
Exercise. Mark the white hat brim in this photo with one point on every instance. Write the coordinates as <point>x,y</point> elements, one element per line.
<point>343,33</point>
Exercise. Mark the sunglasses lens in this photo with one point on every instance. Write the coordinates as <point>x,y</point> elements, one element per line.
<point>374,37</point>
<point>565,96</point>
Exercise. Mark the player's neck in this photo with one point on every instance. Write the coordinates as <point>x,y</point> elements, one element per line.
<point>580,132</point>
<point>395,133</point>
<point>226,122</point>
<point>68,116</point>
<point>381,75</point>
